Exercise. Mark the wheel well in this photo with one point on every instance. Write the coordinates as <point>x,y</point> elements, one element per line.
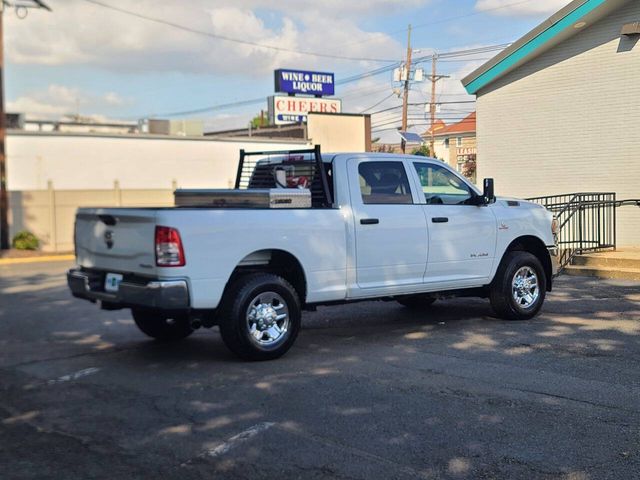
<point>536,247</point>
<point>278,262</point>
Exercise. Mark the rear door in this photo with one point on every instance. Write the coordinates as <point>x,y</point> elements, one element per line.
<point>116,239</point>
<point>390,227</point>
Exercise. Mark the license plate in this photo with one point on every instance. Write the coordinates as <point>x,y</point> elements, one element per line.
<point>112,282</point>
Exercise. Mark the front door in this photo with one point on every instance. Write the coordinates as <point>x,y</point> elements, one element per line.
<point>390,226</point>
<point>462,237</point>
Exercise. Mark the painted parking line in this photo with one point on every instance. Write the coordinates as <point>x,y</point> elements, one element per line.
<point>238,439</point>
<point>74,376</point>
<point>232,442</point>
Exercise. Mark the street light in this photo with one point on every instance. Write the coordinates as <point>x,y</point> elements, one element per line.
<point>22,9</point>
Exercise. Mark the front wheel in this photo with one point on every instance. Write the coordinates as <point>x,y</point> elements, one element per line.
<point>161,325</point>
<point>260,317</point>
<point>518,290</point>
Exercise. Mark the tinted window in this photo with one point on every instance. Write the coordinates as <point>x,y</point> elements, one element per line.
<point>384,183</point>
<point>440,186</point>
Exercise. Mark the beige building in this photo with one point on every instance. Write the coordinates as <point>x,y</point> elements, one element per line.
<point>559,110</point>
<point>51,174</point>
<point>55,168</point>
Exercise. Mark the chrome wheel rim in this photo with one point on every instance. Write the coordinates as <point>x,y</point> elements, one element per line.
<point>267,319</point>
<point>525,287</point>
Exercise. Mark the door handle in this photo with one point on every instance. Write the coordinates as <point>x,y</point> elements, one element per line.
<point>440,219</point>
<point>369,221</point>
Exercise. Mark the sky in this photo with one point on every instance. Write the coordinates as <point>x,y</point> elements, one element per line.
<point>88,57</point>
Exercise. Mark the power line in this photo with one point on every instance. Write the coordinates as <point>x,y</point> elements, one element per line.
<point>422,104</point>
<point>378,103</point>
<point>472,14</point>
<point>351,79</point>
<point>222,106</point>
<point>357,93</point>
<point>230,39</point>
<point>445,20</point>
<point>459,120</point>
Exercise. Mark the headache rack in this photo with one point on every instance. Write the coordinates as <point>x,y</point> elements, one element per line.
<point>256,170</point>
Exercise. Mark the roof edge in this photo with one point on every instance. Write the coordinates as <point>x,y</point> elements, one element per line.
<point>528,44</point>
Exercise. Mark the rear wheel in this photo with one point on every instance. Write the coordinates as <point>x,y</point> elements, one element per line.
<point>416,301</point>
<point>260,317</point>
<point>518,290</point>
<point>162,326</point>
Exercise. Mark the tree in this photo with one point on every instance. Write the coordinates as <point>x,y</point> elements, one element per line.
<point>469,167</point>
<point>423,151</point>
<point>259,120</point>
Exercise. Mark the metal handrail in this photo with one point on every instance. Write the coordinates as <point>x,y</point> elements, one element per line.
<point>587,221</point>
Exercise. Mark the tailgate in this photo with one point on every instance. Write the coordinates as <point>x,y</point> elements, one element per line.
<point>116,239</point>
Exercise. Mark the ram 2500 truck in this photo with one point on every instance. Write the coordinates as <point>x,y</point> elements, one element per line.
<point>303,229</point>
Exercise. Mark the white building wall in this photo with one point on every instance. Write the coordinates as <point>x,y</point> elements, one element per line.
<point>569,120</point>
<point>340,132</point>
<point>77,161</point>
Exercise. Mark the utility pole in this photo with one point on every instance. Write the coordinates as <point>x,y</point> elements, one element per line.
<point>434,78</point>
<point>432,107</point>
<point>405,96</point>
<point>20,6</point>
<point>4,196</point>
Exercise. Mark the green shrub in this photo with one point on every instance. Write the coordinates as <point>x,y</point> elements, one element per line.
<point>25,241</point>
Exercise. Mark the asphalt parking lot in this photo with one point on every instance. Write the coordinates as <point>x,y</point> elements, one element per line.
<point>370,390</point>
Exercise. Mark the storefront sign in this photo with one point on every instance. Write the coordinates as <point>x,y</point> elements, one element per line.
<point>284,109</point>
<point>467,150</point>
<point>307,83</point>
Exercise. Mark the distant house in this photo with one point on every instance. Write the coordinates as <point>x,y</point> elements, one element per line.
<point>456,143</point>
<point>559,110</point>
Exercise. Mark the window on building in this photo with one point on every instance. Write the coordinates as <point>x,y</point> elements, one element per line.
<point>446,142</point>
<point>440,186</point>
<point>459,142</point>
<point>384,183</point>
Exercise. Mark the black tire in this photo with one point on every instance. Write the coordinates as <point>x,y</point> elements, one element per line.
<point>416,302</point>
<point>162,326</point>
<point>502,293</point>
<point>234,319</point>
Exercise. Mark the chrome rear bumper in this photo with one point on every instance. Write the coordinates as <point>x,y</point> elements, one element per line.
<point>163,294</point>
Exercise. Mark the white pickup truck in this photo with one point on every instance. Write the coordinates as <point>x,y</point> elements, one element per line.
<point>303,229</point>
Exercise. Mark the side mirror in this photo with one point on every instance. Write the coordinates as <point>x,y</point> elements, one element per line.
<point>487,190</point>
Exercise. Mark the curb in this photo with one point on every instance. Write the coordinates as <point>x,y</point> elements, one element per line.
<point>43,259</point>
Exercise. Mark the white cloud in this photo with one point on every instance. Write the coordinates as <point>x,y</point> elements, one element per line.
<point>58,100</point>
<point>79,33</point>
<point>521,8</point>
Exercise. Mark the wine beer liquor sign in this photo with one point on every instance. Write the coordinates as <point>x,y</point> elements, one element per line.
<point>319,84</point>
<point>285,107</point>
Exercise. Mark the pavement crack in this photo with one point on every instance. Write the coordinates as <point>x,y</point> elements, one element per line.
<point>506,386</point>
<point>27,420</point>
<point>69,357</point>
<point>328,442</point>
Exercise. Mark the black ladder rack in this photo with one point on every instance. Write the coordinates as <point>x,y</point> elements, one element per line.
<point>320,191</point>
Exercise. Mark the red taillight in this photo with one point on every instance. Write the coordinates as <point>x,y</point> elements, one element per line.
<point>169,251</point>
